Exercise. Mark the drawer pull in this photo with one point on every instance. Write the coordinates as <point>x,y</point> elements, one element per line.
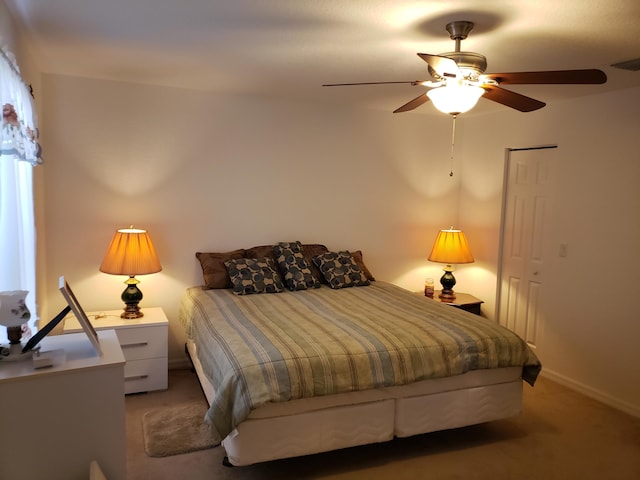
<point>136,377</point>
<point>134,345</point>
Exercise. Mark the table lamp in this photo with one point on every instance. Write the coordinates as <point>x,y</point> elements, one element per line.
<point>131,253</point>
<point>13,314</point>
<point>451,247</point>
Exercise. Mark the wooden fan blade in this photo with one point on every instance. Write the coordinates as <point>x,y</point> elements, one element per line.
<point>443,66</point>
<point>409,82</point>
<point>511,99</point>
<point>415,103</point>
<point>552,77</point>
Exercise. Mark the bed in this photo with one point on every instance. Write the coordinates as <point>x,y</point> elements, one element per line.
<point>298,370</point>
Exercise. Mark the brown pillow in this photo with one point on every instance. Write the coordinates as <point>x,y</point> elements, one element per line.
<point>214,271</point>
<point>263,251</point>
<point>357,256</point>
<point>310,250</point>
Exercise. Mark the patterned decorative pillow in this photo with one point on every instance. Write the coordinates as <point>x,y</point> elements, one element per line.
<point>340,270</point>
<point>254,275</point>
<point>297,272</point>
<point>309,250</point>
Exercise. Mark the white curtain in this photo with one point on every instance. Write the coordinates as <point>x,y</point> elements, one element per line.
<point>19,153</point>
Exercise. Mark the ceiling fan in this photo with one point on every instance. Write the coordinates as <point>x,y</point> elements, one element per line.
<point>459,79</point>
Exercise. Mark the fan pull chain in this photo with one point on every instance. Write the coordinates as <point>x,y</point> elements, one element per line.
<point>453,141</point>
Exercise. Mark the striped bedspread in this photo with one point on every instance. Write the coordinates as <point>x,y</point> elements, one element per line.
<point>281,346</point>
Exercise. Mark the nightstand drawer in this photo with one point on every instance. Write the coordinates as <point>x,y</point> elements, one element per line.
<point>145,375</point>
<point>143,343</point>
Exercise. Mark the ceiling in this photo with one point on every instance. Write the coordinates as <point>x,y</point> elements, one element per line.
<point>289,48</point>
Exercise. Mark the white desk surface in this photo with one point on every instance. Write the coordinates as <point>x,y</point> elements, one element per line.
<point>78,354</point>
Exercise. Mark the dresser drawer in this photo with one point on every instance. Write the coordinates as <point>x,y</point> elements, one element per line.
<point>143,342</point>
<point>145,375</point>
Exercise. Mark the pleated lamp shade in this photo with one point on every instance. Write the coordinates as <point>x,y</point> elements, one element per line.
<point>451,247</point>
<point>131,252</point>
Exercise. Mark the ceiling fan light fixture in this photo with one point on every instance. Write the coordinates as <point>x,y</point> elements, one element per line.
<point>455,99</point>
<point>459,79</point>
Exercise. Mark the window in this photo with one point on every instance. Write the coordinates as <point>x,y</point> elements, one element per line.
<point>19,153</point>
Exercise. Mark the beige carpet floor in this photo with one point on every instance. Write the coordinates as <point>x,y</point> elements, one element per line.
<point>560,435</point>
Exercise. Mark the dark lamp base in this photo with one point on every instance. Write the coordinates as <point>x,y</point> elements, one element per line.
<point>14,334</point>
<point>131,297</point>
<point>131,312</point>
<point>447,281</point>
<point>447,295</point>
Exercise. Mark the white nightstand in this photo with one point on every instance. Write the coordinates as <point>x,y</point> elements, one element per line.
<point>144,342</point>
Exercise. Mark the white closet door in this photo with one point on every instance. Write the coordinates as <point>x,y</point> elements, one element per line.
<point>525,241</point>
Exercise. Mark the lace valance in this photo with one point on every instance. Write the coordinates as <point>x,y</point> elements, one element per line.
<point>19,132</point>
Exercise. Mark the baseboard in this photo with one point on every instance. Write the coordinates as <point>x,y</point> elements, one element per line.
<point>605,398</point>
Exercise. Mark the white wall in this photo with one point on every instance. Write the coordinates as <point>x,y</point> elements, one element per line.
<point>181,163</point>
<point>592,324</point>
<point>204,172</point>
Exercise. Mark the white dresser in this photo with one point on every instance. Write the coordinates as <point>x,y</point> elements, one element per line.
<point>144,343</point>
<point>57,420</point>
